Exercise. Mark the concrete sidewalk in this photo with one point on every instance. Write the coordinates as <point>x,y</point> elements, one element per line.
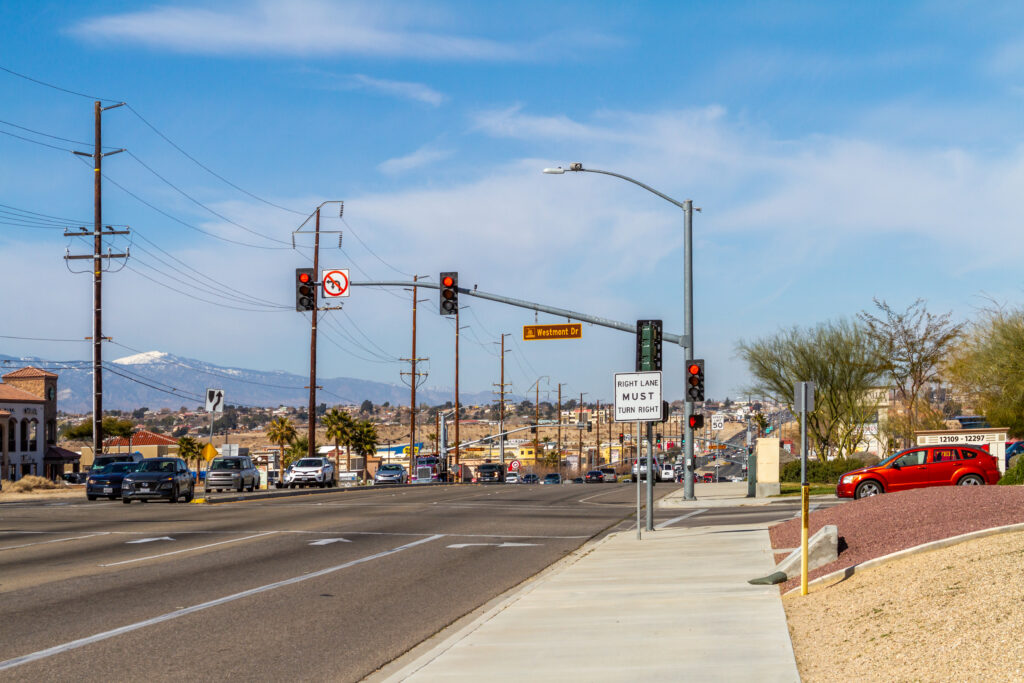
<point>674,606</point>
<point>725,494</point>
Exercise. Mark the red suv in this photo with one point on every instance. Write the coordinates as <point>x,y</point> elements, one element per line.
<point>919,467</point>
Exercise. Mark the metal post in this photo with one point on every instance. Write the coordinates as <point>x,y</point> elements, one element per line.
<point>413,378</point>
<point>311,449</point>
<point>457,465</point>
<point>650,476</point>
<point>638,536</point>
<point>501,406</point>
<point>688,337</point>
<point>804,488</point>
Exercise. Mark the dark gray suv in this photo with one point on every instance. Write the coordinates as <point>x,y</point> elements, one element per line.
<point>233,472</point>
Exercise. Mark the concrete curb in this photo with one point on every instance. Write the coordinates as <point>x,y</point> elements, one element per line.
<point>841,574</point>
<point>677,504</point>
<point>436,645</point>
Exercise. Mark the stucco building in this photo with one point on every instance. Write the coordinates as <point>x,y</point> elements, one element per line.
<point>28,425</point>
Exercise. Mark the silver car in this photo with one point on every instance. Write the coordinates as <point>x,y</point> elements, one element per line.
<point>232,472</point>
<point>389,474</point>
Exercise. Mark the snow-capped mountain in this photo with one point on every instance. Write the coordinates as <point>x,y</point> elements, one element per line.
<point>157,379</point>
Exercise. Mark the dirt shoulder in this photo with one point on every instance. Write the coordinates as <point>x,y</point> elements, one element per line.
<point>61,494</point>
<point>920,617</point>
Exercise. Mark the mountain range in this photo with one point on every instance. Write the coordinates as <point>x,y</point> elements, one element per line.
<point>155,379</point>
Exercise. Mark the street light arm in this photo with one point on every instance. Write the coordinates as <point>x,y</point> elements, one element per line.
<point>635,182</point>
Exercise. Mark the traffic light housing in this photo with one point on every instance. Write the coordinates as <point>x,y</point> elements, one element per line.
<point>695,381</point>
<point>696,421</point>
<point>648,345</point>
<point>657,438</point>
<point>665,410</point>
<point>590,426</point>
<point>622,437</point>
<point>305,289</point>
<point>449,293</point>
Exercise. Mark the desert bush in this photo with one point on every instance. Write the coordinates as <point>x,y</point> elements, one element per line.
<point>32,483</point>
<point>1014,475</point>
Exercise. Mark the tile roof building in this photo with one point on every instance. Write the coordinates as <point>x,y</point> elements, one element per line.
<point>28,425</point>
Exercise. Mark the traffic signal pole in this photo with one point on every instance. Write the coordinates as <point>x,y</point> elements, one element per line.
<point>311,449</point>
<point>688,344</point>
<point>650,476</point>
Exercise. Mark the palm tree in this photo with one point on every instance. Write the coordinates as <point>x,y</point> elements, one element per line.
<point>281,431</point>
<point>339,426</point>
<point>189,450</point>
<point>364,440</point>
<point>299,448</point>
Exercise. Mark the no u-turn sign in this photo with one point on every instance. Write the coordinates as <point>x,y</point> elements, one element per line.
<point>335,283</point>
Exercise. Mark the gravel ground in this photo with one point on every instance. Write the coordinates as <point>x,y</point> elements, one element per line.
<point>949,614</point>
<point>953,614</point>
<point>880,525</point>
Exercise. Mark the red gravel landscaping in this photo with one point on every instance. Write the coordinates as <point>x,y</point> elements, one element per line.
<point>876,526</point>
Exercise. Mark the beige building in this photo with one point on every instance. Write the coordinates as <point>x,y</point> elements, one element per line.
<point>149,444</point>
<point>28,425</point>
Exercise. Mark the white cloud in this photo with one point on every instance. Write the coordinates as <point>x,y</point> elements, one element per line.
<point>305,28</point>
<point>421,157</point>
<point>401,89</point>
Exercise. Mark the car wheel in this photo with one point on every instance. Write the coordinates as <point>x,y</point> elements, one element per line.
<point>91,497</point>
<point>174,495</point>
<point>970,480</point>
<point>868,488</point>
<point>241,485</point>
<point>190,494</point>
<point>112,497</point>
<point>126,501</point>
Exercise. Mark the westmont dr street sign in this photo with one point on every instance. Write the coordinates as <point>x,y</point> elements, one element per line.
<point>564,331</point>
<point>638,396</point>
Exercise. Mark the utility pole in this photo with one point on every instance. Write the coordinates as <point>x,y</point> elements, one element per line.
<point>501,405</point>
<point>597,437</point>
<point>559,454</point>
<point>97,272</point>
<point>457,466</point>
<point>579,424</point>
<point>317,284</point>
<point>414,379</point>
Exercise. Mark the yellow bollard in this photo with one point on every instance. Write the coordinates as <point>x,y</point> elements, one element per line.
<point>804,500</point>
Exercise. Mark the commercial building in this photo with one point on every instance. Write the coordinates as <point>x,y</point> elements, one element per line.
<point>28,426</point>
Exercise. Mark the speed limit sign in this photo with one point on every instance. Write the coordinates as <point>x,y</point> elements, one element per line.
<point>717,423</point>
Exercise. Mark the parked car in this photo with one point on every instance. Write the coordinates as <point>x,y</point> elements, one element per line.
<point>512,478</point>
<point>233,472</point>
<point>594,477</point>
<point>577,480</point>
<point>158,478</point>
<point>75,477</point>
<point>310,472</point>
<point>390,473</point>
<point>552,478</point>
<point>920,467</point>
<point>707,477</point>
<point>107,480</point>
<point>529,479</point>
<point>102,461</point>
<point>490,473</point>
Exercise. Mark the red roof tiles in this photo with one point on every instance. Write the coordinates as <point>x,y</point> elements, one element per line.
<point>29,371</point>
<point>9,394</point>
<point>142,438</point>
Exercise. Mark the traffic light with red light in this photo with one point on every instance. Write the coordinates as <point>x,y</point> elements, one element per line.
<point>449,293</point>
<point>305,289</point>
<point>695,381</point>
<point>622,437</point>
<point>696,421</point>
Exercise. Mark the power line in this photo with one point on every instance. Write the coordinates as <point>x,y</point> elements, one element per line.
<point>209,170</point>
<point>55,87</point>
<point>6,336</point>
<point>198,298</point>
<point>36,142</point>
<point>372,252</point>
<point>47,135</point>
<point>204,206</point>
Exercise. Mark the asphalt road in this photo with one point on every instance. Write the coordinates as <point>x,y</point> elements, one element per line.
<point>326,587</point>
<point>323,587</point>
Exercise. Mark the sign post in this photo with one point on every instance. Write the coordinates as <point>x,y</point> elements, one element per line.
<point>638,399</point>
<point>803,402</point>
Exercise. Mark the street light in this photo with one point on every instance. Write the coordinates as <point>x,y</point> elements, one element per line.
<point>687,339</point>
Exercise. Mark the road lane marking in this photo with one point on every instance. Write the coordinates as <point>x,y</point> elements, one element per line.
<point>496,545</point>
<point>183,550</point>
<point>328,541</point>
<point>55,540</point>
<point>617,489</point>
<point>89,640</point>
<point>150,540</point>
<point>680,518</point>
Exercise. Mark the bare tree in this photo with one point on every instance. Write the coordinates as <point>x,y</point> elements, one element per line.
<point>914,344</point>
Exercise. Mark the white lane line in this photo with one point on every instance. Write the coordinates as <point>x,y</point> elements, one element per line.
<point>55,540</point>
<point>150,540</point>
<point>496,545</point>
<point>89,640</point>
<point>617,489</point>
<point>185,550</point>
<point>680,518</point>
<point>328,541</point>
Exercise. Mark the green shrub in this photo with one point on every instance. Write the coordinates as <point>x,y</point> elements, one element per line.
<point>1014,476</point>
<point>822,471</point>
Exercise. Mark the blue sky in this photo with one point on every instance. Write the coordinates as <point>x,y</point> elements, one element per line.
<point>838,152</point>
